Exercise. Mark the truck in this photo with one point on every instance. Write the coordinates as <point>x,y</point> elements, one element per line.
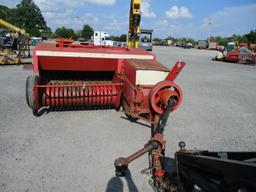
<point>101,38</point>
<point>202,44</point>
<point>213,45</point>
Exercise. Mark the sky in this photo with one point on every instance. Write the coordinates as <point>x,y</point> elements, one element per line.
<point>177,18</point>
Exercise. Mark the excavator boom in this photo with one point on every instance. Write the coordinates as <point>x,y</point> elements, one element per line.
<point>19,41</point>
<point>12,27</point>
<point>134,24</point>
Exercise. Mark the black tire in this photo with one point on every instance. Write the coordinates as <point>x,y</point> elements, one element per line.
<point>30,82</point>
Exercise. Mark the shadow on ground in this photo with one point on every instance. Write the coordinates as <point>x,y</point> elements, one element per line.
<point>115,184</point>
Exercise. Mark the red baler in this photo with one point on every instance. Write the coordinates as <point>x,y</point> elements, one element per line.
<point>74,76</point>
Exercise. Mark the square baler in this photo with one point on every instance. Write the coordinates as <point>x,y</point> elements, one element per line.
<point>75,76</point>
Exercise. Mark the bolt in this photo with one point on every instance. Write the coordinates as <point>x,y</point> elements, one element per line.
<point>182,145</point>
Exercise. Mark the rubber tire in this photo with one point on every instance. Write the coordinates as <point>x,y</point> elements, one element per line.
<point>30,82</point>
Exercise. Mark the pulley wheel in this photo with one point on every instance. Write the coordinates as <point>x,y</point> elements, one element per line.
<point>161,93</point>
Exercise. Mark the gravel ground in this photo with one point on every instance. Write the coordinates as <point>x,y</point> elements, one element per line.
<point>74,151</point>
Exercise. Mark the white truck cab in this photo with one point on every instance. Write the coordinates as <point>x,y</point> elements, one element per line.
<point>101,38</point>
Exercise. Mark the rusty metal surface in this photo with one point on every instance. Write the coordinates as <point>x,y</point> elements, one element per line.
<point>147,65</point>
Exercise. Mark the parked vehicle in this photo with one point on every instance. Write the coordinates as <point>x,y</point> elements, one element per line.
<point>101,38</point>
<point>253,47</point>
<point>202,44</point>
<point>146,40</point>
<point>246,56</point>
<point>213,46</point>
<point>188,46</point>
<point>242,55</point>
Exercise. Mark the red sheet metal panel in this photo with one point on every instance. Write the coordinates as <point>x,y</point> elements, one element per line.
<point>77,64</point>
<point>48,56</point>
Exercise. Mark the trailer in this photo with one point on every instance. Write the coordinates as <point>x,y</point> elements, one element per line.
<point>213,46</point>
<point>202,44</point>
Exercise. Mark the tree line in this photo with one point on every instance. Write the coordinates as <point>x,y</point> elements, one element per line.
<point>84,34</point>
<point>249,38</point>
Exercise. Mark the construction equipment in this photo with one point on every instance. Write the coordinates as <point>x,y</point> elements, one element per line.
<point>12,27</point>
<point>11,41</point>
<point>134,24</point>
<point>146,39</point>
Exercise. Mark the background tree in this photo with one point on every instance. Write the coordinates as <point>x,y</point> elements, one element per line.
<point>123,38</point>
<point>5,13</point>
<point>64,32</point>
<point>170,38</point>
<point>157,41</point>
<point>251,36</point>
<point>221,41</point>
<point>87,32</point>
<point>27,15</point>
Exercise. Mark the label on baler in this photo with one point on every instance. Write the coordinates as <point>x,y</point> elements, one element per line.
<point>150,77</point>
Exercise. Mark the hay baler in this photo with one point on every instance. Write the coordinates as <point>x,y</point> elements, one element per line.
<point>73,76</point>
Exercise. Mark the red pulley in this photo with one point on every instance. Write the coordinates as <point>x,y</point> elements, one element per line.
<point>161,93</point>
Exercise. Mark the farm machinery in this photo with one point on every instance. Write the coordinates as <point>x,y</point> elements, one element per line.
<point>74,76</point>
<point>236,54</point>
<point>14,44</point>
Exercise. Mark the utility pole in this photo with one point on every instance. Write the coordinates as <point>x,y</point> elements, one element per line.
<point>210,24</point>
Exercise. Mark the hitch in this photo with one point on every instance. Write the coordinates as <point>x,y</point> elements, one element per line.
<point>155,147</point>
<point>121,164</point>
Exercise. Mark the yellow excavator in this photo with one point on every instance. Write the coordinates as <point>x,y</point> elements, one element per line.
<point>16,40</point>
<point>134,24</point>
<point>138,37</point>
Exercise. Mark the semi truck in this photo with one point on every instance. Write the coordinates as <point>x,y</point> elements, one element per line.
<point>101,38</point>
